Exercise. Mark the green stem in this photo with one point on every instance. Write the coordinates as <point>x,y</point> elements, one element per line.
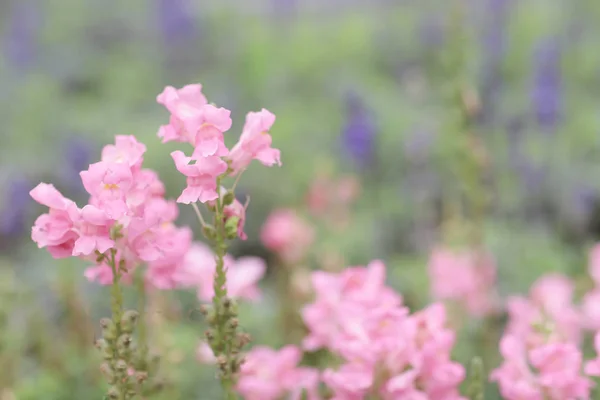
<point>141,325</point>
<point>220,289</point>
<point>117,314</point>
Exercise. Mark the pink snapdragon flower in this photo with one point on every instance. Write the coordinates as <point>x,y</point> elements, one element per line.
<point>465,277</point>
<point>54,230</point>
<point>288,235</point>
<point>199,269</point>
<point>550,370</point>
<point>126,150</point>
<point>194,121</point>
<point>201,177</point>
<point>255,143</point>
<point>108,183</point>
<point>549,306</point>
<point>269,374</point>
<point>93,228</point>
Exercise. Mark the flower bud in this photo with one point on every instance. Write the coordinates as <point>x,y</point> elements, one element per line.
<point>231,227</point>
<point>234,323</point>
<point>121,366</point>
<point>141,376</point>
<point>109,330</point>
<point>128,320</point>
<point>107,372</point>
<point>209,232</point>
<point>228,198</point>
<point>113,393</point>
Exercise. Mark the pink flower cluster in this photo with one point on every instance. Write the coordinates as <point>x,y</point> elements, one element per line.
<point>198,270</point>
<point>127,212</point>
<point>288,235</point>
<point>386,351</point>
<point>465,277</point>
<point>269,374</point>
<point>542,359</point>
<point>202,125</point>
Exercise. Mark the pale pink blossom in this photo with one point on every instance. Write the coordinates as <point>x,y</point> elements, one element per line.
<point>464,276</point>
<point>287,234</point>
<point>204,354</point>
<point>255,142</point>
<point>108,183</point>
<point>54,230</point>
<point>126,150</point>
<point>182,103</point>
<point>93,228</point>
<point>549,308</point>
<point>175,244</point>
<point>208,125</point>
<point>269,374</point>
<point>201,177</point>
<point>590,309</point>
<point>242,274</point>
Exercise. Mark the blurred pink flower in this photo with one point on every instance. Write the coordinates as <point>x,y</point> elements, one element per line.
<point>269,374</point>
<point>592,367</point>
<point>201,177</point>
<point>255,143</point>
<point>199,268</point>
<point>287,234</point>
<point>590,309</point>
<point>465,277</point>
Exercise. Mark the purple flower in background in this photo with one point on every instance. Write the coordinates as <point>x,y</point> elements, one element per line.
<point>431,31</point>
<point>78,153</point>
<point>20,37</point>
<point>359,132</point>
<point>14,204</point>
<point>547,89</point>
<point>175,20</point>
<point>494,50</point>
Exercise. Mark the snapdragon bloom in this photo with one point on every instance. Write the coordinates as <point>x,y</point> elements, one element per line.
<point>549,308</point>
<point>385,351</point>
<point>288,235</point>
<point>269,374</point>
<point>199,268</point>
<point>201,177</point>
<point>255,143</point>
<point>463,276</point>
<point>127,214</point>
<point>550,370</point>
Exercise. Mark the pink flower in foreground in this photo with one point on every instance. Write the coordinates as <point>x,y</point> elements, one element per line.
<point>269,374</point>
<point>550,370</point>
<point>287,234</point>
<point>255,142</point>
<point>108,183</point>
<point>199,269</point>
<point>126,150</point>
<point>549,307</point>
<point>182,104</point>
<point>93,228</point>
<point>54,230</point>
<point>208,125</point>
<point>201,177</point>
<point>465,277</point>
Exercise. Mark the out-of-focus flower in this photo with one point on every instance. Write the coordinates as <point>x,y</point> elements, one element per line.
<point>199,268</point>
<point>464,276</point>
<point>21,35</point>
<point>287,234</point>
<point>358,137</point>
<point>175,20</point>
<point>14,205</point>
<point>547,96</point>
<point>269,374</point>
<point>549,370</point>
<point>548,312</point>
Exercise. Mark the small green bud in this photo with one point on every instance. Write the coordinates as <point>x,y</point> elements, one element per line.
<point>107,371</point>
<point>204,309</point>
<point>113,393</point>
<point>109,330</point>
<point>121,366</point>
<point>234,323</point>
<point>209,232</point>
<point>128,321</point>
<point>210,335</point>
<point>231,227</point>
<point>228,198</point>
<point>141,376</point>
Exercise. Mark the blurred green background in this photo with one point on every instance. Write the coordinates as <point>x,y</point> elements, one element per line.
<point>359,88</point>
